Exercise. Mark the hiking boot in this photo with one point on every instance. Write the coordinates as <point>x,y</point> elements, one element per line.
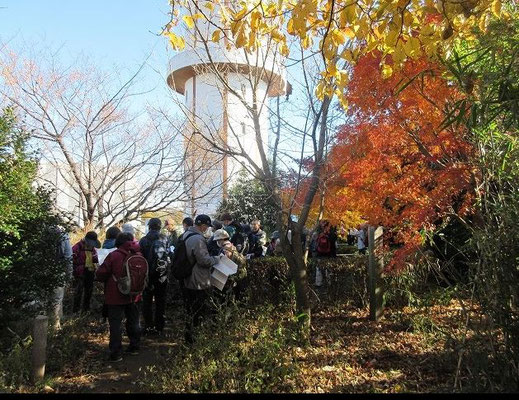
<point>132,351</point>
<point>116,358</point>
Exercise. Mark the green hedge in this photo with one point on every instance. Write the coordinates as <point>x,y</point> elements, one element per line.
<point>344,279</point>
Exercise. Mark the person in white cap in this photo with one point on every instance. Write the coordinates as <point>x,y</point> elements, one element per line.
<point>128,228</point>
<point>227,248</point>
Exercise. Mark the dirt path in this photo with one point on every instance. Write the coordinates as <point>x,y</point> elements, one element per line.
<point>127,376</point>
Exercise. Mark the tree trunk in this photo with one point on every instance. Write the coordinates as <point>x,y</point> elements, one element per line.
<point>293,253</point>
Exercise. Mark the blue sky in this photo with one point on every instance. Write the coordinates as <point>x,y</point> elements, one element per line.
<point>120,33</point>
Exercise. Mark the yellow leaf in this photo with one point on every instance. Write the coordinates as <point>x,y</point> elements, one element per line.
<point>338,37</point>
<point>284,50</point>
<point>496,8</point>
<point>189,21</point>
<point>483,23</point>
<point>277,35</point>
<point>387,71</point>
<point>209,5</point>
<point>349,32</point>
<point>176,42</point>
<point>399,53</point>
<point>347,55</point>
<point>342,78</point>
<point>215,37</point>
<point>307,42</point>
<point>290,26</point>
<point>240,14</point>
<point>241,39</point>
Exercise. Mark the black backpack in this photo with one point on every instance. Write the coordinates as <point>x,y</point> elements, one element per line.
<point>181,266</point>
<point>159,259</point>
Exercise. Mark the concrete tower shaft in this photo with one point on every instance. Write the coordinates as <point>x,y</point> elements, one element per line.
<point>216,82</point>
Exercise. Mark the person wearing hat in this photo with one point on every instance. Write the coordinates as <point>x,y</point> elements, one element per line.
<point>85,262</point>
<point>198,284</point>
<point>228,249</point>
<point>128,228</point>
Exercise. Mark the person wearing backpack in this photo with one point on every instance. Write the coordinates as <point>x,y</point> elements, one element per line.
<point>109,243</point>
<point>237,232</point>
<point>154,249</point>
<point>84,259</point>
<point>122,295</point>
<point>194,257</point>
<point>325,246</point>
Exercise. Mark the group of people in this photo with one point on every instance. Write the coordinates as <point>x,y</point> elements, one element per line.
<point>203,243</point>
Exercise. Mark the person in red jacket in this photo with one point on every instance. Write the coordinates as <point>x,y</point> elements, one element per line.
<point>120,305</point>
<point>84,260</point>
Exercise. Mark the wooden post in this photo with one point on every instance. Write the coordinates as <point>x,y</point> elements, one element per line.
<point>39,347</point>
<point>375,267</point>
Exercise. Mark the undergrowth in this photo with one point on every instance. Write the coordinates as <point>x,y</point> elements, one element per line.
<point>240,350</point>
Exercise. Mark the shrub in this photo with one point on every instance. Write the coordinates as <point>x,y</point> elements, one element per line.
<point>245,350</point>
<point>345,278</point>
<point>29,272</point>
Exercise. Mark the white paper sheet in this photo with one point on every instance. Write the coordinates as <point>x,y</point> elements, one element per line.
<point>221,272</point>
<point>226,266</point>
<point>218,279</point>
<point>102,253</point>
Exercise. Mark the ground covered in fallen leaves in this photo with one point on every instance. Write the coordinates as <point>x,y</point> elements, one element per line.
<point>258,349</point>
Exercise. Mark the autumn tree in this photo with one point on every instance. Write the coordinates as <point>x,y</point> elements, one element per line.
<point>344,30</point>
<point>400,166</point>
<point>296,136</point>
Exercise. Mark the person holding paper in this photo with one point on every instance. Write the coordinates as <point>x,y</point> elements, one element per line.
<point>85,262</point>
<point>228,249</point>
<point>198,285</point>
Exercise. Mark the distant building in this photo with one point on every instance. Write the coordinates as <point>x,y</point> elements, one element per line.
<point>67,197</point>
<point>213,110</point>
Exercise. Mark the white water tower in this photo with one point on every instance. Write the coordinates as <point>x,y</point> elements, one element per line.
<point>214,111</point>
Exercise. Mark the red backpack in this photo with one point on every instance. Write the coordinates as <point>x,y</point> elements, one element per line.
<point>323,244</point>
<point>135,274</point>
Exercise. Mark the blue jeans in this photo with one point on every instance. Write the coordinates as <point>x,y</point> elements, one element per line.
<point>116,313</point>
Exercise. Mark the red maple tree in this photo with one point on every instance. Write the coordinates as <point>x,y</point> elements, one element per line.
<point>399,167</point>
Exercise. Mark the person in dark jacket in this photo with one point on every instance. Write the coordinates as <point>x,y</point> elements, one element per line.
<point>84,260</point>
<point>158,280</point>
<point>257,240</point>
<point>109,243</point>
<point>118,304</point>
<point>236,232</point>
<point>212,246</point>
